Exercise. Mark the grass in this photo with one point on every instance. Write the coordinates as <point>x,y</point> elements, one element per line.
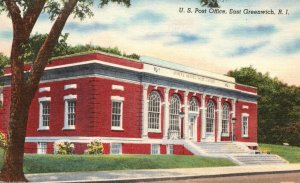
<point>290,153</point>
<point>34,163</point>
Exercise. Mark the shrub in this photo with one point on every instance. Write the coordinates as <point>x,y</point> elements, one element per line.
<point>3,141</point>
<point>95,147</point>
<point>64,147</point>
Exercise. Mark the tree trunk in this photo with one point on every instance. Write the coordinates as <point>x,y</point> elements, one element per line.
<point>12,169</point>
<point>23,90</point>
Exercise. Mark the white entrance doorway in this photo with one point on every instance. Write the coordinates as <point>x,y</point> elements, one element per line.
<point>192,127</point>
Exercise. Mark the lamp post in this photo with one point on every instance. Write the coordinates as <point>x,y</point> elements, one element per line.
<point>181,115</point>
<point>232,128</point>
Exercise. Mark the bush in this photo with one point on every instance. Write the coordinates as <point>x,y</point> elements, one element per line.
<point>64,148</point>
<point>3,141</point>
<point>95,147</point>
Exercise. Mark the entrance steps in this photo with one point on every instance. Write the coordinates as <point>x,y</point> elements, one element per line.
<point>258,159</point>
<point>235,151</point>
<point>222,148</point>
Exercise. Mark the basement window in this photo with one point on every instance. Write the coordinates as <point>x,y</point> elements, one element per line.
<point>115,148</point>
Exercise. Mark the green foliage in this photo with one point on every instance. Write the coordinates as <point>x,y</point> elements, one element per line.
<point>88,47</point>
<point>3,141</point>
<point>4,60</point>
<point>289,153</point>
<point>36,41</point>
<point>278,106</point>
<point>95,147</point>
<point>64,148</point>
<point>210,3</point>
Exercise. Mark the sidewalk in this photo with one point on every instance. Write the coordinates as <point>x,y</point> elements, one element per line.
<point>161,174</point>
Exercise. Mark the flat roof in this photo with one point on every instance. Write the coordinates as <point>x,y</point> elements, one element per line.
<point>184,68</point>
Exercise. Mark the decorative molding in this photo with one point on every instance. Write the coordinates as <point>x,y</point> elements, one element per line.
<point>117,98</point>
<point>245,107</point>
<point>42,99</point>
<point>69,97</point>
<point>44,89</point>
<point>117,87</point>
<point>70,86</point>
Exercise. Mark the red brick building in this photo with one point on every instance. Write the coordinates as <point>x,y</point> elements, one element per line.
<point>145,106</point>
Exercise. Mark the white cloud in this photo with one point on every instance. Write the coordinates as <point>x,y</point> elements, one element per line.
<point>151,38</point>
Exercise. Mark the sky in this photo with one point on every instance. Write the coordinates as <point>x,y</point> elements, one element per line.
<point>205,41</point>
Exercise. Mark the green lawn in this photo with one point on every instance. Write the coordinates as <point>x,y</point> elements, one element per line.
<point>71,163</point>
<point>290,153</point>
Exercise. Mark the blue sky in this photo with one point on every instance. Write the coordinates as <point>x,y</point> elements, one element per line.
<point>213,42</point>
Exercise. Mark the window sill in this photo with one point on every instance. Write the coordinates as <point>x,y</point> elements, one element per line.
<point>117,129</point>
<point>245,137</point>
<point>43,129</point>
<point>69,128</point>
<point>154,131</point>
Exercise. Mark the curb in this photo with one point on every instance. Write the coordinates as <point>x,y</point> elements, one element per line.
<point>179,177</point>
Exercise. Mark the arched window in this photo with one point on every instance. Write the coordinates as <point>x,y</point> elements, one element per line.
<point>210,116</point>
<point>174,112</point>
<point>193,105</point>
<point>225,118</point>
<point>154,110</point>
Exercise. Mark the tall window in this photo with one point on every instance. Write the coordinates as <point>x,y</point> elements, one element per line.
<point>210,116</point>
<point>174,112</point>
<point>193,105</point>
<point>116,115</point>
<point>245,119</point>
<point>44,114</point>
<point>70,111</point>
<point>154,111</point>
<point>225,119</point>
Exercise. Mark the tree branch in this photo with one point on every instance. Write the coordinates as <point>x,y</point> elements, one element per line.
<point>32,14</point>
<point>14,10</point>
<point>48,45</point>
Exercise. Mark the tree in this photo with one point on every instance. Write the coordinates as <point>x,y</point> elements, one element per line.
<point>278,106</point>
<point>24,14</point>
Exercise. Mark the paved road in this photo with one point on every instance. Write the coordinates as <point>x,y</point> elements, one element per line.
<point>265,178</point>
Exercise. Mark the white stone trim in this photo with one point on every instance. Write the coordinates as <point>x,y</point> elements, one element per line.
<point>203,116</point>
<point>70,97</point>
<point>245,107</point>
<point>70,86</point>
<point>219,118</point>
<point>117,98</point>
<point>44,89</point>
<point>166,110</point>
<point>117,87</point>
<point>83,139</point>
<point>145,111</point>
<point>42,99</point>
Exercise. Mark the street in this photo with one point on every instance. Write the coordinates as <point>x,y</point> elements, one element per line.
<point>265,178</point>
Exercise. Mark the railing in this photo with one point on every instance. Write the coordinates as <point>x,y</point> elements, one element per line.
<point>173,134</point>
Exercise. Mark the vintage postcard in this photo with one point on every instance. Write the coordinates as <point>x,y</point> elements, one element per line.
<point>103,88</point>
